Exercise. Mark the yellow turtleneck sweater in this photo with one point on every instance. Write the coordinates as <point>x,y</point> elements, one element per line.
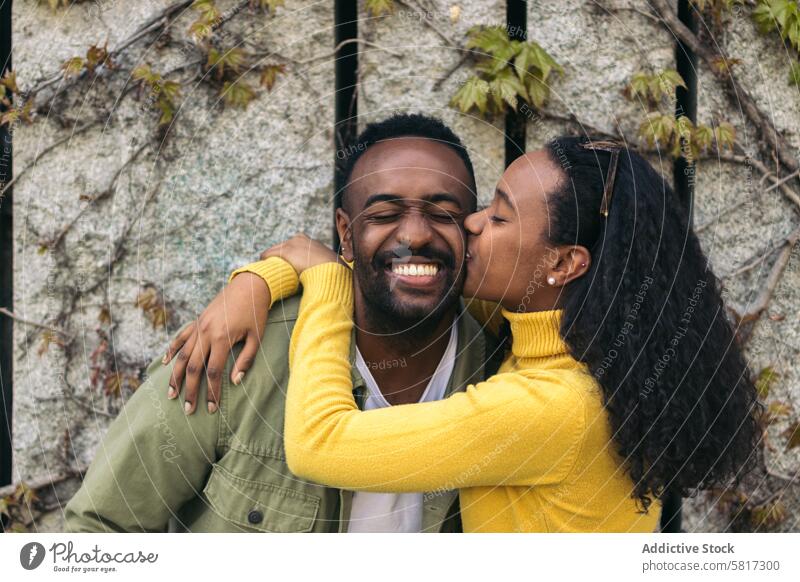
<point>529,449</point>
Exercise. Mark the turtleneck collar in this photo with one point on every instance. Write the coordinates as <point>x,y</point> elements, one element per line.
<point>536,333</point>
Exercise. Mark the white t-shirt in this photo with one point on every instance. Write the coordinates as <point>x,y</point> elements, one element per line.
<point>396,512</point>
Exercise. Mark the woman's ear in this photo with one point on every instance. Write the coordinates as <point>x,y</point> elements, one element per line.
<point>343,225</point>
<point>573,262</point>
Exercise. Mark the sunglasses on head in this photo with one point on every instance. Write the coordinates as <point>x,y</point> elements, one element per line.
<point>613,147</point>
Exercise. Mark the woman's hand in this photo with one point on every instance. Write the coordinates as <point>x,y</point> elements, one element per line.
<point>238,312</point>
<point>301,252</point>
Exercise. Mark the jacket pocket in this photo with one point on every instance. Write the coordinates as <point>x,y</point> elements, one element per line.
<point>258,505</point>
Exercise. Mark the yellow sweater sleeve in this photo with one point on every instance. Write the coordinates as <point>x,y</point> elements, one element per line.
<point>278,274</point>
<point>508,430</point>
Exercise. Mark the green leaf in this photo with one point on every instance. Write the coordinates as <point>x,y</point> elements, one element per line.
<point>96,56</point>
<point>765,380</point>
<point>269,75</point>
<point>777,410</point>
<point>170,90</point>
<point>270,5</point>
<point>792,435</point>
<point>200,29</point>
<point>167,111</point>
<point>144,73</point>
<point>232,59</point>
<point>781,14</point>
<point>538,91</point>
<point>9,81</point>
<point>794,74</point>
<point>72,66</point>
<point>378,7</point>
<point>658,128</point>
<point>473,93</point>
<point>206,7</point>
<point>531,55</point>
<point>725,135</point>
<point>638,87</point>
<point>703,136</point>
<point>237,94</point>
<point>724,65</point>
<point>672,79</point>
<point>507,88</point>
<point>494,42</point>
<point>768,516</point>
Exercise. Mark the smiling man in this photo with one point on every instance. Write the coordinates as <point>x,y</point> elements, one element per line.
<point>165,465</point>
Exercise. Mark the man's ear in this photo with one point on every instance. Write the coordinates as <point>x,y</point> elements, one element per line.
<point>573,262</point>
<point>343,227</point>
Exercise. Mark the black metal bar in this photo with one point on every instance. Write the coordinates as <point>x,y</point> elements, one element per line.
<point>6,263</point>
<point>683,178</point>
<point>515,121</point>
<point>686,104</point>
<point>346,88</point>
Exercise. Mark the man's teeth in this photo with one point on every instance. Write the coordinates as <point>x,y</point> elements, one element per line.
<point>415,270</point>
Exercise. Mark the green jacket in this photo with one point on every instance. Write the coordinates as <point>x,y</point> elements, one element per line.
<point>159,470</point>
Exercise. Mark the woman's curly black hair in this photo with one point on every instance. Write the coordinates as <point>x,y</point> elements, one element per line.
<point>649,322</point>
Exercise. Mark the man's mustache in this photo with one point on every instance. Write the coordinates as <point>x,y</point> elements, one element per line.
<point>401,254</point>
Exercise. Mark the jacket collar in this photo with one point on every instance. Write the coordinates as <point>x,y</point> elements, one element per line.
<point>467,369</point>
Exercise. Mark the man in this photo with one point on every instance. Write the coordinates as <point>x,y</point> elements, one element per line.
<point>410,184</point>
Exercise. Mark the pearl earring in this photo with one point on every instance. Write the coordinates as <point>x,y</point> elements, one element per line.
<point>551,280</point>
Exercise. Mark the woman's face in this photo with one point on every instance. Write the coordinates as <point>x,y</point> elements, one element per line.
<point>509,258</point>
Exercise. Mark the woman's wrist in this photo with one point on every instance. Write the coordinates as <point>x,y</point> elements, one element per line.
<point>280,277</point>
<point>330,281</point>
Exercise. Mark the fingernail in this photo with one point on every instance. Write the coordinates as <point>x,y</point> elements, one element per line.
<point>172,393</point>
<point>165,359</point>
<point>238,378</point>
<point>212,407</point>
<point>187,408</point>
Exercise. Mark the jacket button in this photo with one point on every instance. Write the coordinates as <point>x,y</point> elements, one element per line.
<point>255,516</point>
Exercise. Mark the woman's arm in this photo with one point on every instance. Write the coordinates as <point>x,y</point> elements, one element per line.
<point>238,313</point>
<point>487,313</point>
<point>282,281</point>
<point>508,430</point>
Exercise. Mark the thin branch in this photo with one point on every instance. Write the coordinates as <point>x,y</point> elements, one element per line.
<point>77,400</point>
<point>156,22</point>
<point>61,332</point>
<point>755,262</point>
<point>783,180</point>
<point>45,151</point>
<point>615,9</point>
<point>783,476</point>
<point>464,57</point>
<point>345,43</point>
<point>765,171</point>
<point>56,240</point>
<point>766,129</point>
<point>428,22</point>
<point>38,484</point>
<point>761,302</point>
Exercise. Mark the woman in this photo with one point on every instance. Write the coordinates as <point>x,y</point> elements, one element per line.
<point>623,379</point>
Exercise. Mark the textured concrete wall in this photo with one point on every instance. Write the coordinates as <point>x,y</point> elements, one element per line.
<point>228,183</point>
<point>733,239</point>
<point>423,44</point>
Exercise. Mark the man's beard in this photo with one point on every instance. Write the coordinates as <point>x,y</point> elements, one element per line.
<point>385,314</point>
